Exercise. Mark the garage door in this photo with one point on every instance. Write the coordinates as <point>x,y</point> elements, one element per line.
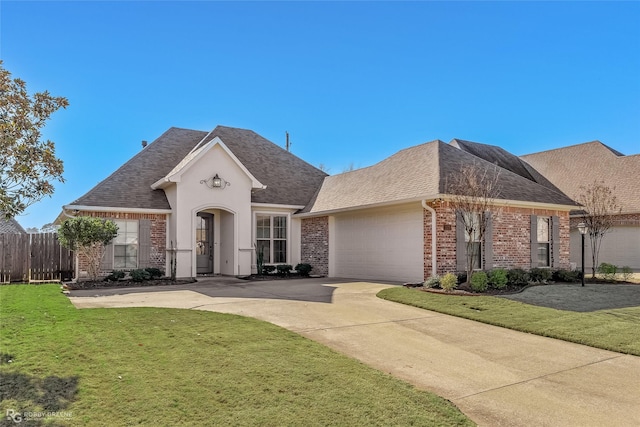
<point>380,244</point>
<point>620,246</point>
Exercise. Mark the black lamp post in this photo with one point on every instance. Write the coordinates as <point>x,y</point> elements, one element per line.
<point>582,228</point>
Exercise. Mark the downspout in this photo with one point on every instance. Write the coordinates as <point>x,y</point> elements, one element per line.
<point>434,257</point>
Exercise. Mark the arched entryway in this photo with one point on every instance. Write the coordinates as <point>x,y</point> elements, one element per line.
<point>215,243</point>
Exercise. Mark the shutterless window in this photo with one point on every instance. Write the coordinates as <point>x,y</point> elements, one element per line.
<point>271,236</point>
<point>474,237</point>
<point>543,241</point>
<point>125,245</point>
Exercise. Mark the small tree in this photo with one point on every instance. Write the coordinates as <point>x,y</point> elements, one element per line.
<point>599,204</point>
<point>473,192</point>
<point>88,236</point>
<point>28,165</point>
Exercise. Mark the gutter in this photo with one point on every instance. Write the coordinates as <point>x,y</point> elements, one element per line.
<point>434,258</point>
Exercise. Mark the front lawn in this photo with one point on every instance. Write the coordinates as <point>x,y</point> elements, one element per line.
<point>615,330</point>
<point>160,367</point>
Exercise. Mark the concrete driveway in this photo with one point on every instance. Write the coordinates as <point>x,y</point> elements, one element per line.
<point>496,376</point>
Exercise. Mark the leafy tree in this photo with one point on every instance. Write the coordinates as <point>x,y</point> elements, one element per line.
<point>599,205</point>
<point>49,228</point>
<point>473,192</point>
<point>27,164</point>
<point>88,236</point>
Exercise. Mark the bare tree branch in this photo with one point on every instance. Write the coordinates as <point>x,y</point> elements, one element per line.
<point>599,204</point>
<point>473,192</point>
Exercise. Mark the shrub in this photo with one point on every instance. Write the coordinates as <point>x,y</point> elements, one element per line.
<point>608,271</point>
<point>284,269</point>
<point>498,278</point>
<point>540,275</point>
<point>268,269</point>
<point>479,281</point>
<point>304,269</point>
<point>518,277</point>
<point>432,282</point>
<point>154,272</point>
<point>627,273</point>
<point>115,276</point>
<point>139,275</point>
<point>449,282</point>
<point>566,276</point>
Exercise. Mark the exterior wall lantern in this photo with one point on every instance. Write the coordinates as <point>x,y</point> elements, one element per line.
<point>215,182</point>
<point>583,229</point>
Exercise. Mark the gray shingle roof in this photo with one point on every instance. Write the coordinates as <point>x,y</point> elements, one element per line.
<point>10,226</point>
<point>504,159</point>
<point>422,171</point>
<point>580,165</point>
<point>512,185</point>
<point>289,179</point>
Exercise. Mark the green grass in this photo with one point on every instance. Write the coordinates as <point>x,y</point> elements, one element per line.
<point>615,330</point>
<point>161,367</point>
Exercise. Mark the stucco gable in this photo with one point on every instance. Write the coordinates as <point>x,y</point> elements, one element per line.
<point>194,156</point>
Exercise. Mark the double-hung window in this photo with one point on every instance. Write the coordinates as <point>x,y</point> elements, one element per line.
<point>271,238</point>
<point>472,238</point>
<point>543,240</point>
<point>125,245</point>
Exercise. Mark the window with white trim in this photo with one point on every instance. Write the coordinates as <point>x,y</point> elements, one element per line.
<point>125,245</point>
<point>543,240</point>
<point>271,238</point>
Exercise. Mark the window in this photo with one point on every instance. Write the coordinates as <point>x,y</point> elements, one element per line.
<point>125,245</point>
<point>271,237</point>
<point>543,241</point>
<point>473,235</point>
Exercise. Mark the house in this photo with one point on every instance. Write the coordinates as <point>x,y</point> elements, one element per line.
<point>212,201</point>
<point>576,166</point>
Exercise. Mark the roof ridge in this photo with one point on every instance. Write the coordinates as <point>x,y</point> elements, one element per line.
<point>595,141</point>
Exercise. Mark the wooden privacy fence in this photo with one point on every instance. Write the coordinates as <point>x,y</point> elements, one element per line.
<point>34,258</point>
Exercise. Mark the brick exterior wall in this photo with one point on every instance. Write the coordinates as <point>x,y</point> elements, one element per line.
<point>158,222</point>
<point>511,237</point>
<point>315,244</point>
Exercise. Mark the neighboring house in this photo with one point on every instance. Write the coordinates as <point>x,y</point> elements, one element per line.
<point>571,168</point>
<point>211,199</point>
<point>10,226</point>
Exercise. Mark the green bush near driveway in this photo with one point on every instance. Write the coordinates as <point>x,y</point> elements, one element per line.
<point>152,366</point>
<point>615,330</point>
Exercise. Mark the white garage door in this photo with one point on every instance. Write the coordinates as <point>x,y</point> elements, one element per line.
<point>382,244</point>
<point>620,246</point>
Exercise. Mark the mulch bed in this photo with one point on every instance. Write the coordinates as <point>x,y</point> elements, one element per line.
<point>256,277</point>
<point>465,289</point>
<point>88,284</point>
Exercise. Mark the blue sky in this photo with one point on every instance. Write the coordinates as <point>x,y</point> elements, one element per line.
<point>351,82</point>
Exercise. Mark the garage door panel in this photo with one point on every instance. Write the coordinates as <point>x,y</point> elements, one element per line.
<point>384,245</point>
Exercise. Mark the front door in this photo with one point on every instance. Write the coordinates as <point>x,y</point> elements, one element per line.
<point>204,243</point>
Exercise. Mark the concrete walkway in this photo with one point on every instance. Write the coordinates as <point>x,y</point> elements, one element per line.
<point>496,376</point>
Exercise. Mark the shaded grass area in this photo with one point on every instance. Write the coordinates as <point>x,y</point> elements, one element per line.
<point>148,366</point>
<point>615,330</point>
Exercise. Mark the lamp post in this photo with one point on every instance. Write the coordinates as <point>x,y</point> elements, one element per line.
<point>582,228</point>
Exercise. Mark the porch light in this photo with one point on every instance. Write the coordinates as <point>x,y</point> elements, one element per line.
<point>582,228</point>
<point>215,182</point>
